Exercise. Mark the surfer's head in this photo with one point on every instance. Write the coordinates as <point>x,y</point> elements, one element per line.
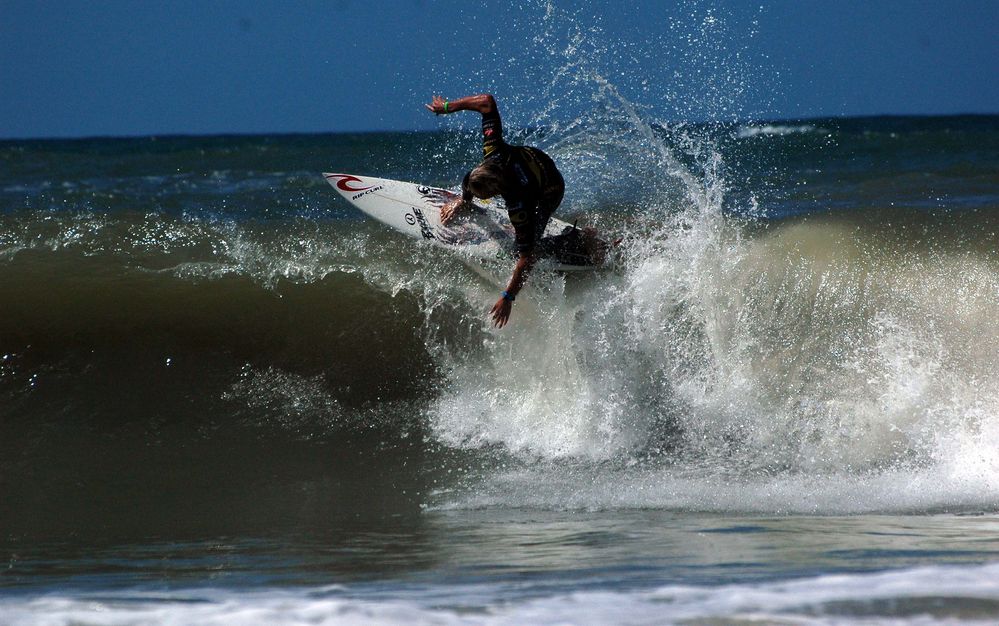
<point>486,180</point>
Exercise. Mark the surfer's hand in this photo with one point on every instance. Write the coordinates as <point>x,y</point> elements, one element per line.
<point>501,312</point>
<point>450,210</point>
<point>436,106</point>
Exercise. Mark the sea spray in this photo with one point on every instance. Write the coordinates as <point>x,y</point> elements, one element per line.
<point>801,363</point>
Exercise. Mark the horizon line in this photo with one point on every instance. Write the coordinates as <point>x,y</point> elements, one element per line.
<point>179,135</point>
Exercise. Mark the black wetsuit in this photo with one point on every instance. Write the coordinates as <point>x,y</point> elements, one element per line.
<point>534,185</point>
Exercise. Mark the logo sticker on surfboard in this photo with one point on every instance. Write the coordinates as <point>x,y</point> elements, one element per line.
<point>343,182</point>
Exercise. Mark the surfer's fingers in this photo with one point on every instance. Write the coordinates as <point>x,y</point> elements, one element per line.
<point>437,106</point>
<point>500,313</point>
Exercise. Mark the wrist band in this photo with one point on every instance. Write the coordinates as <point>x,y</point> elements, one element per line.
<point>509,297</point>
<point>445,106</point>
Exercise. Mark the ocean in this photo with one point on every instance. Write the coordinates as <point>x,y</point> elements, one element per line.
<point>228,397</point>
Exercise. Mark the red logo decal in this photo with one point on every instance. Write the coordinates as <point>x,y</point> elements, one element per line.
<point>488,132</point>
<point>345,180</point>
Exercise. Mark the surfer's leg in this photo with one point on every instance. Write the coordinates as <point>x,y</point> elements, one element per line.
<point>552,198</point>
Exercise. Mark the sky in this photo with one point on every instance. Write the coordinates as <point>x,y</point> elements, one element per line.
<point>73,68</point>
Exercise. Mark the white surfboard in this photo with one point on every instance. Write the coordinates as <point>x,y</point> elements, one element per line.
<point>414,210</point>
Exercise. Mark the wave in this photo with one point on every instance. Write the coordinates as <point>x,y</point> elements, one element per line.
<point>844,356</point>
<point>779,130</point>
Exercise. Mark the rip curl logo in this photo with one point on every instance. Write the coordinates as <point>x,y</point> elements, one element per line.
<point>343,182</point>
<point>364,193</point>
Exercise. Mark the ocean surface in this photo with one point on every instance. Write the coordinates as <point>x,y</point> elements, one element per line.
<point>227,397</point>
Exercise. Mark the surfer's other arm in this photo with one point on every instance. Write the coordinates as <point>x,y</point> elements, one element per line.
<point>501,310</point>
<point>484,103</point>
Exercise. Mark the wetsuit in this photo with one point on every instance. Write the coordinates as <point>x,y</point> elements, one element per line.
<point>534,185</point>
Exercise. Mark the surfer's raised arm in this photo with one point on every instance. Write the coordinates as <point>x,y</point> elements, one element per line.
<point>484,103</point>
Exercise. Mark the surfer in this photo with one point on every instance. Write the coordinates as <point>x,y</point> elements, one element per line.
<point>524,176</point>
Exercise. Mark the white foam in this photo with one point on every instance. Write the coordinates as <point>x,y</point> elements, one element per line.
<point>928,595</point>
<point>720,490</point>
<point>786,389</point>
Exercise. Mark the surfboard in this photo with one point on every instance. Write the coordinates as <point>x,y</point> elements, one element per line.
<point>485,233</point>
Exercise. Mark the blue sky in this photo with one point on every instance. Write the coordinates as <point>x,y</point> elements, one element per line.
<point>75,68</point>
